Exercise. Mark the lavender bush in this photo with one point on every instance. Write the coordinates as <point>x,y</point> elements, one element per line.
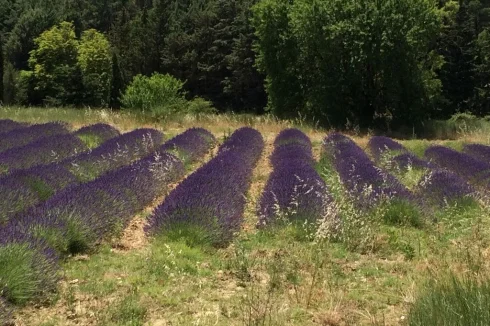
<point>23,136</point>
<point>366,183</point>
<point>190,145</point>
<point>41,152</point>
<point>82,215</point>
<point>463,164</point>
<point>294,191</point>
<point>26,188</point>
<point>7,125</point>
<point>114,153</point>
<point>478,151</point>
<point>378,145</point>
<point>213,197</point>
<point>23,189</point>
<point>442,188</point>
<point>28,267</point>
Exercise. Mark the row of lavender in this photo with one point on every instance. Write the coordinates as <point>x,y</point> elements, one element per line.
<point>447,170</point>
<point>47,146</point>
<point>294,191</point>
<point>22,136</point>
<point>25,188</point>
<point>365,182</point>
<point>80,216</point>
<point>212,199</point>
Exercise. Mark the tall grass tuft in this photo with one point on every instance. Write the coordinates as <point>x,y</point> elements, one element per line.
<point>452,301</point>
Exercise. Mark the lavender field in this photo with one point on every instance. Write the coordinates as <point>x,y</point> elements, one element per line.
<point>267,224</point>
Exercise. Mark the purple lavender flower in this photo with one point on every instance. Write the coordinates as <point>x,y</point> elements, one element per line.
<point>23,136</point>
<point>463,164</point>
<point>478,151</point>
<point>15,194</point>
<point>213,197</point>
<point>8,125</point>
<point>292,136</point>
<point>20,252</point>
<point>406,160</point>
<point>441,187</point>
<point>43,151</point>
<point>190,145</point>
<point>380,144</point>
<point>364,181</point>
<point>87,213</point>
<point>114,153</point>
<point>294,188</point>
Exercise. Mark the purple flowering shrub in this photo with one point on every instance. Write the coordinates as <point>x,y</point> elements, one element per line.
<point>80,216</point>
<point>213,197</point>
<point>23,136</point>
<point>190,145</point>
<point>7,125</point>
<point>374,191</point>
<point>114,153</point>
<point>394,155</point>
<point>441,188</point>
<point>478,151</point>
<point>41,152</point>
<point>294,190</point>
<point>406,161</point>
<point>466,166</point>
<point>380,145</point>
<point>23,189</point>
<point>365,182</point>
<point>83,214</point>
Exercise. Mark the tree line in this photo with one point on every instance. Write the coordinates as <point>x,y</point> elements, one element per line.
<point>373,63</point>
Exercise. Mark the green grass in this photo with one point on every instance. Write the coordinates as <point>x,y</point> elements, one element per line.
<point>90,140</point>
<point>452,301</point>
<point>24,275</point>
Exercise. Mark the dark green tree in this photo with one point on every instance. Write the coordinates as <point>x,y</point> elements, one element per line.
<point>368,62</point>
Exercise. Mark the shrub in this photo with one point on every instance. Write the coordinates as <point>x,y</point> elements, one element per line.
<point>200,105</point>
<point>159,94</point>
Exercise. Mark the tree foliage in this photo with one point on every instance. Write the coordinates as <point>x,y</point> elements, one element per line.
<point>373,63</point>
<point>54,65</point>
<point>95,63</point>
<point>354,60</point>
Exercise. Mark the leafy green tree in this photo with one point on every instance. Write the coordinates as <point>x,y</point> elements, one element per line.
<point>364,61</point>
<point>95,63</point>
<point>54,65</point>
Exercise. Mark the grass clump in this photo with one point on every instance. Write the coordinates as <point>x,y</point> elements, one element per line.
<point>128,312</point>
<point>91,140</point>
<point>24,273</point>
<point>452,301</point>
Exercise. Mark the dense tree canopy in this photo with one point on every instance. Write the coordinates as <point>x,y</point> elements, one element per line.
<point>367,62</point>
<point>349,59</point>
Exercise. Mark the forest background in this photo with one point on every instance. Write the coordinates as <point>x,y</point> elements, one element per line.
<point>380,64</point>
